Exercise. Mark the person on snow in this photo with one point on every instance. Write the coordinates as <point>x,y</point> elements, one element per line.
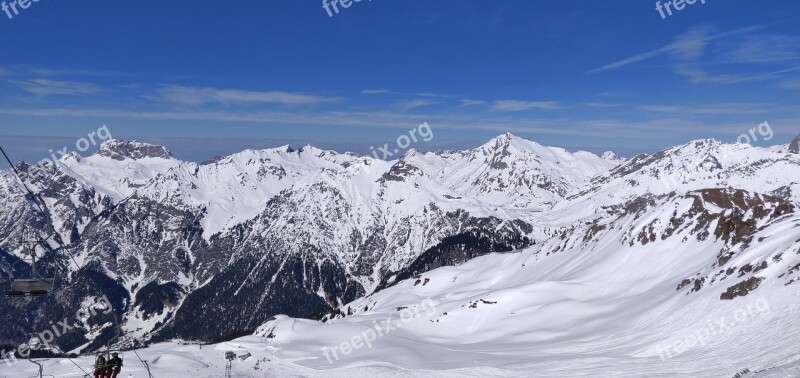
<point>113,366</point>
<point>100,366</point>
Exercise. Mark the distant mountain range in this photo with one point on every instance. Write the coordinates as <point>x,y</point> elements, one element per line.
<point>214,250</point>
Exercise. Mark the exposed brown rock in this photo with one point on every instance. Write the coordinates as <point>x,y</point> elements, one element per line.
<point>742,288</point>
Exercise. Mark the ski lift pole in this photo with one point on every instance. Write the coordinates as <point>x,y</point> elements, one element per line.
<point>33,262</point>
<point>39,364</point>
<point>41,368</point>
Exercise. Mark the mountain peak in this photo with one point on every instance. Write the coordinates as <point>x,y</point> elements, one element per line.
<point>124,149</point>
<point>505,141</point>
<point>506,138</point>
<point>794,146</point>
<point>309,148</point>
<point>611,156</point>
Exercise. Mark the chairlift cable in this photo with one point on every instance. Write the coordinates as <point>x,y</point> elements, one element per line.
<point>62,247</point>
<point>147,367</point>
<point>86,374</point>
<point>73,362</point>
<point>16,173</point>
<point>48,221</point>
<point>79,367</point>
<point>34,197</point>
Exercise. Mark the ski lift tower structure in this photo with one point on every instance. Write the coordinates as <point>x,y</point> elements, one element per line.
<point>229,357</point>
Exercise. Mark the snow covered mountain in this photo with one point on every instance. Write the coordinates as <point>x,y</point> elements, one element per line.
<point>514,172</point>
<point>314,228</point>
<point>505,239</point>
<point>712,292</point>
<point>640,293</point>
<point>696,165</point>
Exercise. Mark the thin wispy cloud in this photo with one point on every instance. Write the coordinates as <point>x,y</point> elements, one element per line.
<point>336,119</point>
<point>687,46</point>
<point>376,91</point>
<point>46,87</point>
<point>396,93</point>
<point>602,105</point>
<point>57,72</point>
<point>414,104</point>
<point>693,52</point>
<point>791,84</point>
<point>518,106</point>
<point>722,109</point>
<point>665,125</point>
<point>633,59</point>
<point>759,48</point>
<point>697,75</point>
<point>466,103</point>
<point>208,95</point>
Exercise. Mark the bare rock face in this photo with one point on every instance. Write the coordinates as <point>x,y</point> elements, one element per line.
<point>794,147</point>
<point>741,289</point>
<point>121,150</point>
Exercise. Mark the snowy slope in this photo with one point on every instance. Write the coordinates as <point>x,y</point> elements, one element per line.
<point>119,168</point>
<point>600,305</point>
<point>599,301</point>
<point>236,188</point>
<point>172,234</point>
<point>629,254</point>
<point>696,165</point>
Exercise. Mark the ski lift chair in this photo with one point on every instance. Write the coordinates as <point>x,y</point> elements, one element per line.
<point>30,287</point>
<point>36,286</point>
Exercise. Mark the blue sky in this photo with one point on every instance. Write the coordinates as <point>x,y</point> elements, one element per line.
<point>208,78</point>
